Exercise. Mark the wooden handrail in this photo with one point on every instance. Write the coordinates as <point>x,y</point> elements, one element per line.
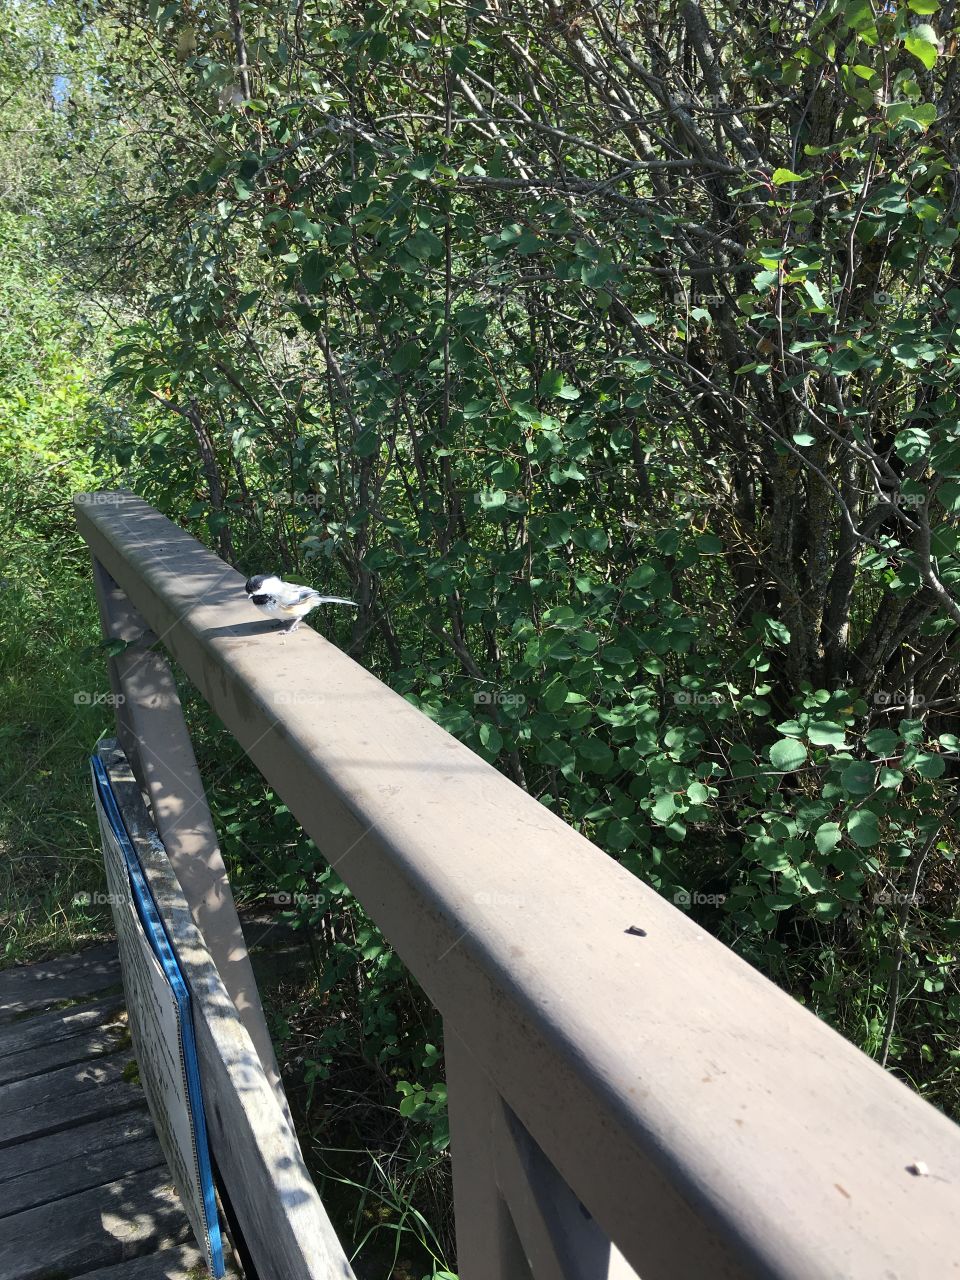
<point>625,1076</point>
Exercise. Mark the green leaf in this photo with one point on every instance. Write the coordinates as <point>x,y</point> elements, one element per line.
<point>920,114</point>
<point>862,828</point>
<point>922,43</point>
<point>882,742</point>
<point>780,901</point>
<point>490,737</point>
<point>406,357</point>
<point>424,245</point>
<point>816,296</point>
<point>664,808</point>
<point>810,877</point>
<point>788,754</point>
<point>313,270</point>
<point>422,167</point>
<point>930,766</point>
<point>780,176</point>
<point>555,695</point>
<point>826,734</point>
<point>641,577</point>
<point>553,384</point>
<point>596,754</point>
<point>857,778</point>
<point>827,837</point>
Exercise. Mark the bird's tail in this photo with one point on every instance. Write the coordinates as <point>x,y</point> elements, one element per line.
<point>336,600</point>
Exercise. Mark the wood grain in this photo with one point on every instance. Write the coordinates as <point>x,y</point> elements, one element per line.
<point>285,1226</point>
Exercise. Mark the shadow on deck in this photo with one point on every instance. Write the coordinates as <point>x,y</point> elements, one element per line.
<point>84,1189</point>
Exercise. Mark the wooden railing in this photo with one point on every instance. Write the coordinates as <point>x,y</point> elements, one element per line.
<point>626,1095</point>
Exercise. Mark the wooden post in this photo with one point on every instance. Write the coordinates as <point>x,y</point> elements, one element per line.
<point>154,737</point>
<point>285,1230</point>
<point>488,1247</point>
<point>516,1216</point>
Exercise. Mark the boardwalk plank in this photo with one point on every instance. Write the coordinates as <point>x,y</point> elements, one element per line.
<point>64,1112</point>
<point>77,1144</point>
<point>40,1060</point>
<point>73,1080</point>
<point>42,1186</point>
<point>44,1027</point>
<point>169,1264</point>
<point>96,1228</point>
<point>38,986</point>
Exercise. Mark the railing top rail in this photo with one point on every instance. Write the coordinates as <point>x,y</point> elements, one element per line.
<point>711,1125</point>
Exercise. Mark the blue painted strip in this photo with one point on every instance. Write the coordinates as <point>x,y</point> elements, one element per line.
<point>159,940</point>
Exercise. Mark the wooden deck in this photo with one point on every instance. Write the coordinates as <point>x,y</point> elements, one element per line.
<point>84,1189</point>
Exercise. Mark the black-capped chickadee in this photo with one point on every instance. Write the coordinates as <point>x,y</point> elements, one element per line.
<point>286,601</point>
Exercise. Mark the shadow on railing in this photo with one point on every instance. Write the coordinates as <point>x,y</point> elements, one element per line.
<point>624,1091</point>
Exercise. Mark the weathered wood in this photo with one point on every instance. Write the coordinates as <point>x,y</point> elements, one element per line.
<point>69,1176</point>
<point>76,1144</point>
<point>93,1228</point>
<point>83,1182</point>
<point>154,736</point>
<point>41,1029</point>
<point>73,978</point>
<point>32,1062</point>
<point>488,1245</point>
<point>44,974</point>
<point>258,1159</point>
<point>70,1081</point>
<point>169,1264</point>
<point>67,1110</point>
<point>710,1125</point>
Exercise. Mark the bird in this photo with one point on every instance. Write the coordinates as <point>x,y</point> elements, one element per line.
<point>287,601</point>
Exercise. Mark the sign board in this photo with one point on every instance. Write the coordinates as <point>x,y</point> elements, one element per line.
<point>161,1027</point>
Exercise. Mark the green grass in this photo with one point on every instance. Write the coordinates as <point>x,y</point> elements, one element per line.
<point>50,856</point>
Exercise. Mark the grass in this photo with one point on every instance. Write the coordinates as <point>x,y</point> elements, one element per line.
<point>50,859</point>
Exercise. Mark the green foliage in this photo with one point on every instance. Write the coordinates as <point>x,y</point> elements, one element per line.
<point>639,449</point>
<point>608,356</point>
<point>54,693</point>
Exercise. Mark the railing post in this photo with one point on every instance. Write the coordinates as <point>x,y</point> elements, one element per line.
<point>154,737</point>
<point>488,1247</point>
<point>509,1198</point>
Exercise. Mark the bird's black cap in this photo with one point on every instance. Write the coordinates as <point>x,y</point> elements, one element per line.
<point>254,584</point>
